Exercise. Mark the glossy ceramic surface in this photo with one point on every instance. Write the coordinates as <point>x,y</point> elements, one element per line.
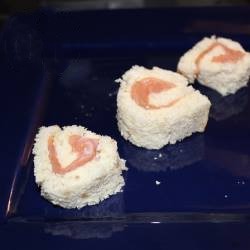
<point>203,236</point>
<point>206,172</point>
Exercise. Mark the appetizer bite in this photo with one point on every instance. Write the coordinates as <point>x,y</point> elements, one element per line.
<point>218,63</point>
<point>75,167</point>
<point>155,107</point>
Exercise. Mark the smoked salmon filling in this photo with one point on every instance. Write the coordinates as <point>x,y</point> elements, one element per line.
<point>142,89</point>
<point>84,147</point>
<point>154,93</point>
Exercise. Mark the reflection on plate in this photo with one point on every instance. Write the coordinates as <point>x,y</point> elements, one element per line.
<point>112,207</point>
<point>237,164</point>
<point>83,230</point>
<point>172,157</point>
<point>224,107</point>
<point>21,42</point>
<point>75,73</point>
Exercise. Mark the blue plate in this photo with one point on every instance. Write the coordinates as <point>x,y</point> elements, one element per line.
<point>62,67</point>
<point>78,235</point>
<point>177,236</point>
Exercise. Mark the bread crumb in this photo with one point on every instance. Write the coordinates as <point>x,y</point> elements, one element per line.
<point>157,183</point>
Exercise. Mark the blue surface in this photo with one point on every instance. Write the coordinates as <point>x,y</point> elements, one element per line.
<point>206,172</point>
<point>205,236</point>
<point>138,236</point>
<point>55,69</point>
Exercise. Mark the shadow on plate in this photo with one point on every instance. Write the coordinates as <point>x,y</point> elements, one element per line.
<point>223,107</point>
<point>171,157</point>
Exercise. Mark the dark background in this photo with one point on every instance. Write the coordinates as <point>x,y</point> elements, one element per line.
<point>9,7</point>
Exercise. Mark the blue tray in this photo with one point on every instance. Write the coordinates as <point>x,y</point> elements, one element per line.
<point>79,235</point>
<point>59,68</point>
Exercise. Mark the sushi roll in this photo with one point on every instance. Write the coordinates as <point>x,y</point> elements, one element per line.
<point>156,107</point>
<point>218,63</point>
<point>75,167</point>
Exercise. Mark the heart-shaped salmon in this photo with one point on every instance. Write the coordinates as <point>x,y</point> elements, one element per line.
<point>230,55</point>
<point>141,90</point>
<point>84,147</point>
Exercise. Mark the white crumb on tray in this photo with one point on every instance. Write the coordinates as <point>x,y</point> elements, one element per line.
<point>157,183</point>
<point>123,165</point>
